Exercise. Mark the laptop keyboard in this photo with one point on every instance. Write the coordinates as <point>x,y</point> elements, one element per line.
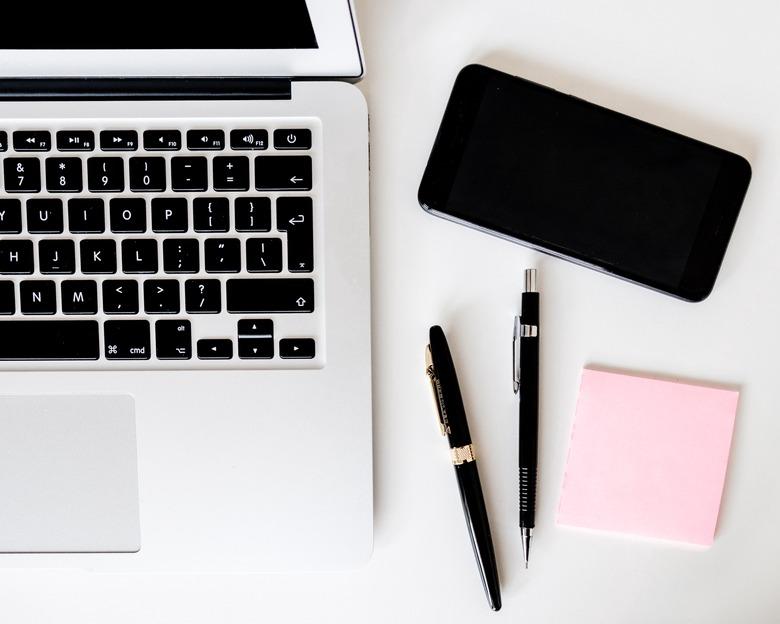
<point>161,247</point>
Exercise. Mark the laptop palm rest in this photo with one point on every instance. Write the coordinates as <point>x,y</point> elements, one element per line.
<point>68,474</point>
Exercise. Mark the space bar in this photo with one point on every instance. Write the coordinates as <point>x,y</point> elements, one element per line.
<point>49,340</point>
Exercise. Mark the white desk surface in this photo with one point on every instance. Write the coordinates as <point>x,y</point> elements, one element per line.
<point>708,68</point>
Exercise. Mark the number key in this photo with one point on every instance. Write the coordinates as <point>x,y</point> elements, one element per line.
<point>147,174</point>
<point>63,175</point>
<point>22,175</point>
<point>106,175</point>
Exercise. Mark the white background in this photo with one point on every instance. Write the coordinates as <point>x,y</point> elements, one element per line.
<point>707,68</point>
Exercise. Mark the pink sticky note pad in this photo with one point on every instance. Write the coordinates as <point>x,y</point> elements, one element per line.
<point>647,457</point>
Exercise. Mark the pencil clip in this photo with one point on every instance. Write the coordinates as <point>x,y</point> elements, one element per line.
<point>437,393</point>
<point>516,355</point>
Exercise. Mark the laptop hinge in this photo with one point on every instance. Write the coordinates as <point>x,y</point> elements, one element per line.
<point>145,89</point>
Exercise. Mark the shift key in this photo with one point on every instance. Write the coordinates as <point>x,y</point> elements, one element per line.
<point>270,295</point>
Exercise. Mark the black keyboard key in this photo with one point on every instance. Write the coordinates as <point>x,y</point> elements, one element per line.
<point>253,214</point>
<point>297,348</point>
<point>264,255</point>
<point>219,349</point>
<point>263,295</point>
<point>128,215</point>
<point>255,339</point>
<point>120,297</point>
<point>44,216</point>
<point>161,297</point>
<point>38,297</point>
<point>147,174</point>
<point>63,175</point>
<point>255,328</point>
<point>3,141</point>
<point>32,141</point>
<point>127,340</point>
<point>189,173</point>
<point>7,299</point>
<point>283,173</point>
<point>222,255</point>
<point>139,255</point>
<point>106,175</point>
<point>169,214</point>
<point>119,140</point>
<point>75,140</point>
<point>162,140</point>
<point>181,255</point>
<point>86,216</point>
<point>211,214</point>
<point>231,173</point>
<point>79,297</point>
<point>173,339</point>
<point>16,257</point>
<point>202,296</point>
<point>205,139</point>
<point>255,349</point>
<point>22,175</point>
<point>292,139</point>
<point>49,340</point>
<point>97,256</point>
<point>10,216</point>
<point>249,139</point>
<point>294,216</point>
<point>57,256</point>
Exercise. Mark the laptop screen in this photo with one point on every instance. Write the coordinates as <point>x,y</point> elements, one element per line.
<point>260,25</point>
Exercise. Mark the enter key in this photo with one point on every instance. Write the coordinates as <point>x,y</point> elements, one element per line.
<point>294,216</point>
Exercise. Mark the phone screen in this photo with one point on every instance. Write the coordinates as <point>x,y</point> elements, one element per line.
<point>583,181</point>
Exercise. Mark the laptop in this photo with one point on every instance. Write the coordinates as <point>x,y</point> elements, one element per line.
<point>185,371</point>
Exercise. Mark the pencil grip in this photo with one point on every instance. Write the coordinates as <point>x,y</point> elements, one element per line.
<point>527,496</point>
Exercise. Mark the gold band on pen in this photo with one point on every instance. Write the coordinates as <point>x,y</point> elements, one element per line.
<point>463,454</point>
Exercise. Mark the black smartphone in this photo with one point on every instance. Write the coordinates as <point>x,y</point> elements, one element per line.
<point>585,183</point>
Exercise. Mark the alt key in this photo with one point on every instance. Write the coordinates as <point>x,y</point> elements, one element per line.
<point>297,348</point>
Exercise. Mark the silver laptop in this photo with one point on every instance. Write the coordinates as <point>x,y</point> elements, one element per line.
<point>184,292</point>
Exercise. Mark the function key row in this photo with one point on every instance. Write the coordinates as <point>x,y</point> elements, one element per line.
<point>150,174</point>
<point>156,140</point>
<point>131,340</point>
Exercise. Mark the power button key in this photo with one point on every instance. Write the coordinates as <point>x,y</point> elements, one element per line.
<point>292,139</point>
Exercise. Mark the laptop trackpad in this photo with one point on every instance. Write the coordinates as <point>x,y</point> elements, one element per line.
<point>68,474</point>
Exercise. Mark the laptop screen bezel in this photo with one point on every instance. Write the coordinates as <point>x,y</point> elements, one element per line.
<point>337,56</point>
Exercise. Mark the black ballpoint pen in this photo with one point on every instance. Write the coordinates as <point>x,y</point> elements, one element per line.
<point>452,421</point>
<point>525,364</point>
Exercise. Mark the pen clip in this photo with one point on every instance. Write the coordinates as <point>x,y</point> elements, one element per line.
<point>516,355</point>
<point>438,397</point>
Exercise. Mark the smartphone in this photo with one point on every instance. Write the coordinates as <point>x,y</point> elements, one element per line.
<point>585,183</point>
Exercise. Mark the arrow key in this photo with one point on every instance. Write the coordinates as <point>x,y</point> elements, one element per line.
<point>215,349</point>
<point>297,348</point>
<point>255,348</point>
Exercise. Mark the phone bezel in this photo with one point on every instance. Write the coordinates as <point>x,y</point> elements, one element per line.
<point>707,250</point>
